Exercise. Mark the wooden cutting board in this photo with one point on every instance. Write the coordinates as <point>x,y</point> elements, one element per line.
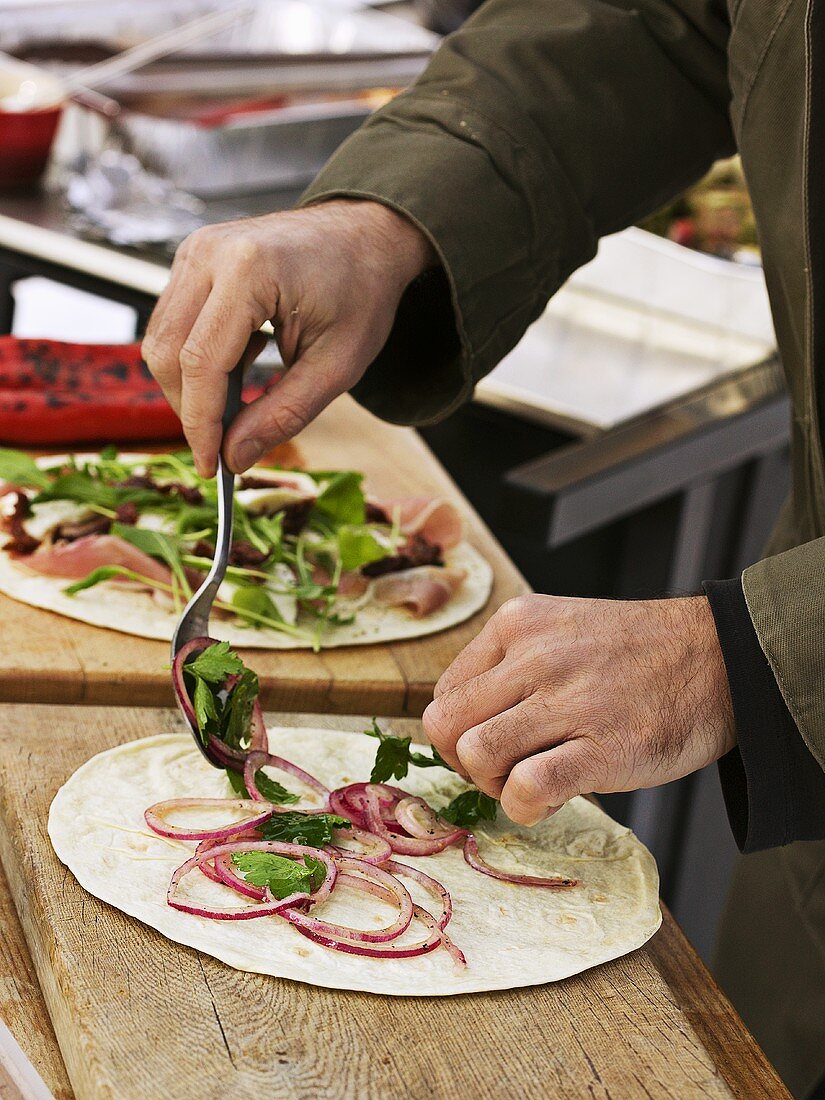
<point>137,1016</point>
<point>46,658</point>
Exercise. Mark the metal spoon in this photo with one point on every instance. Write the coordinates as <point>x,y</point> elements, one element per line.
<point>194,620</point>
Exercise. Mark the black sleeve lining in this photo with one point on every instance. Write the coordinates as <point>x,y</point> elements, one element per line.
<point>773,786</point>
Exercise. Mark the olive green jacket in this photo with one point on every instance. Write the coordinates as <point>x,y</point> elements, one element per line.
<point>543,125</point>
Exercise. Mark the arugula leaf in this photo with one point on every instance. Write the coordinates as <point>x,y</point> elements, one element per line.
<point>215,663</point>
<point>156,545</point>
<point>83,488</point>
<point>271,789</point>
<point>105,573</point>
<point>283,876</point>
<point>467,809</point>
<point>359,546</point>
<point>342,499</point>
<point>18,468</point>
<point>295,827</point>
<point>255,598</point>
<point>394,756</point>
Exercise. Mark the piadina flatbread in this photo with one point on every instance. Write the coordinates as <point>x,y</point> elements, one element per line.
<point>511,935</point>
<point>142,613</point>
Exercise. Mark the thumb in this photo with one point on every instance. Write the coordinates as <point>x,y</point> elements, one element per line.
<point>314,380</point>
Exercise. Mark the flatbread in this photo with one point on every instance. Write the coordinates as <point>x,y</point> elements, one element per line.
<point>511,935</point>
<point>141,615</point>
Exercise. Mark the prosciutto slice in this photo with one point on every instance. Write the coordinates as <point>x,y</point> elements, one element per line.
<point>421,591</point>
<point>75,560</point>
<point>437,520</point>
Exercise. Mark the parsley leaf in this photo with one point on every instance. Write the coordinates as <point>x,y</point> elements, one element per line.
<point>215,663</point>
<point>237,712</point>
<point>342,499</point>
<point>297,828</point>
<point>283,876</point>
<point>204,703</point>
<point>394,756</point>
<point>18,468</point>
<point>467,809</point>
<point>271,789</point>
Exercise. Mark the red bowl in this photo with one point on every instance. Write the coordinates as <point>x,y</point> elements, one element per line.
<point>25,143</point>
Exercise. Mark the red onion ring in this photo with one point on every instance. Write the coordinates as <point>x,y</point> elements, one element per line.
<point>257,759</point>
<point>409,814</point>
<point>154,817</point>
<point>408,846</point>
<point>178,683</point>
<point>356,868</point>
<point>380,853</point>
<point>442,894</point>
<point>433,940</point>
<point>267,908</point>
<point>472,857</point>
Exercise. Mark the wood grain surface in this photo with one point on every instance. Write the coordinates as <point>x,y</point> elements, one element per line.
<point>137,1016</point>
<point>46,658</point>
<point>22,1008</point>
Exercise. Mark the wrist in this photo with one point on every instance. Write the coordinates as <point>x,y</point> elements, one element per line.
<point>390,234</point>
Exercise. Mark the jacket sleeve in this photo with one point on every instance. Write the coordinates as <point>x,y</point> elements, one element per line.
<point>537,128</point>
<point>784,598</point>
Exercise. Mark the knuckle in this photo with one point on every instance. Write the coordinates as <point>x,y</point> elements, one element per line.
<point>290,417</point>
<point>193,358</point>
<point>159,355</point>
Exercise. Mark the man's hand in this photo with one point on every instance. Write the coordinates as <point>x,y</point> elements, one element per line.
<point>558,697</point>
<point>329,277</point>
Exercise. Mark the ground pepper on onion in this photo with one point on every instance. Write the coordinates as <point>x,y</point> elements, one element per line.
<point>288,851</point>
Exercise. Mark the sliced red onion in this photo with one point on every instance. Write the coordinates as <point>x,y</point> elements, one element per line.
<point>471,855</point>
<point>421,821</point>
<point>179,684</point>
<point>408,846</point>
<point>154,817</point>
<point>434,939</point>
<point>266,908</point>
<point>257,759</point>
<point>259,739</point>
<point>439,892</point>
<point>356,868</point>
<point>375,849</point>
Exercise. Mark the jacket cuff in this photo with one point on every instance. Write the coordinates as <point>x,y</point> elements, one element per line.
<point>774,788</point>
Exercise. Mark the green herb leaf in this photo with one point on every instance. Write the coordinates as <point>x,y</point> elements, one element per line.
<point>156,545</point>
<point>271,789</point>
<point>18,468</point>
<point>215,663</point>
<point>342,499</point>
<point>394,756</point>
<point>204,703</point>
<point>359,546</point>
<point>294,827</point>
<point>255,598</point>
<point>283,876</point>
<point>83,488</point>
<point>237,712</point>
<point>105,573</point>
<point>467,809</point>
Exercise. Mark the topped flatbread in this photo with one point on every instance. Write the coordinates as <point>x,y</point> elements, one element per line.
<point>507,934</point>
<point>122,540</point>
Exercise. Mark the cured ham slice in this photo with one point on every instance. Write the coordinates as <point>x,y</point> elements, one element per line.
<point>437,520</point>
<point>75,560</point>
<point>422,590</point>
<point>351,585</point>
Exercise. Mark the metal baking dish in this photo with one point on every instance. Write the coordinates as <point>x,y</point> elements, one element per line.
<point>285,147</point>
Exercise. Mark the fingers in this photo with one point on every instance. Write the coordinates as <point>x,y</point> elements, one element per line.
<point>286,408</point>
<point>219,338</point>
<point>488,751</point>
<point>538,786</point>
<point>170,324</point>
<point>478,656</point>
<point>470,704</point>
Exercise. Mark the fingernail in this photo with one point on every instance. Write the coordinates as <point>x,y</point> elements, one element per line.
<point>247,452</point>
